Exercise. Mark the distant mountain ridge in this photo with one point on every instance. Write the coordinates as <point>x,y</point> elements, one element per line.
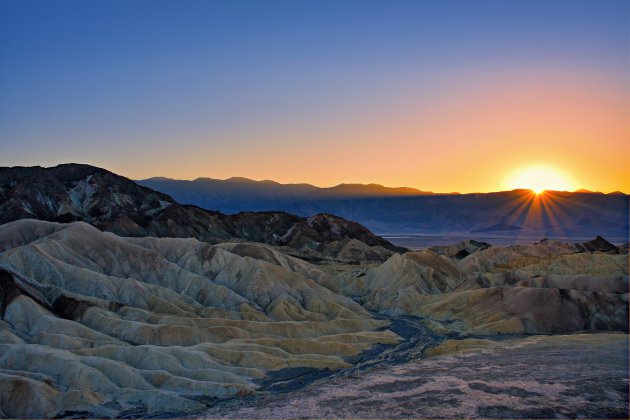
<point>391,211</point>
<point>350,189</point>
<point>269,188</point>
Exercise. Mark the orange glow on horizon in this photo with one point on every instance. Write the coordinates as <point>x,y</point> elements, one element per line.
<point>470,137</point>
<point>539,178</point>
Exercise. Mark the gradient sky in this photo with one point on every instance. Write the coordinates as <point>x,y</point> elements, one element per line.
<point>439,95</point>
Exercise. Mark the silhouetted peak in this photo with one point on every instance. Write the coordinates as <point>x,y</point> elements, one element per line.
<point>461,249</point>
<point>597,244</point>
<point>585,191</point>
<point>158,178</point>
<point>374,189</point>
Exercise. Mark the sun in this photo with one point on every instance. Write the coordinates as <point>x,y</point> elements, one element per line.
<point>539,178</point>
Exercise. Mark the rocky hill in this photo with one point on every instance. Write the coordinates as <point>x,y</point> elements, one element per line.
<point>74,192</point>
<point>107,326</point>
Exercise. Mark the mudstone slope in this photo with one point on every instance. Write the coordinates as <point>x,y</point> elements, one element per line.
<point>105,325</point>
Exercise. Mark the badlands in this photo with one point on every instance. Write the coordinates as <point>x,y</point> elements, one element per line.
<point>116,301</point>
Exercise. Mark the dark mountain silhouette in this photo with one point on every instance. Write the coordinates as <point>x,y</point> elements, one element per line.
<point>370,190</point>
<point>598,244</point>
<point>237,194</point>
<point>581,214</point>
<point>74,192</point>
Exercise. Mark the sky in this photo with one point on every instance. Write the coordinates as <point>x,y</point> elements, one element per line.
<point>448,95</point>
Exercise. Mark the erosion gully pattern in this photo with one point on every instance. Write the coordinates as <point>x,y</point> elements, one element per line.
<point>98,325</point>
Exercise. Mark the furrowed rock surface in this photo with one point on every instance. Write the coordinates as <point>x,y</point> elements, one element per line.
<point>108,326</point>
<point>100,325</point>
<point>75,192</point>
<point>549,287</point>
<point>461,249</point>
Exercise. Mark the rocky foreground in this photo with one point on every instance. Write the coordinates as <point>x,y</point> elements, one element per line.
<point>575,376</point>
<point>284,313</point>
<point>95,324</point>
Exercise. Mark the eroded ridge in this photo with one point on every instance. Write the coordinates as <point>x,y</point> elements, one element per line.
<point>108,326</point>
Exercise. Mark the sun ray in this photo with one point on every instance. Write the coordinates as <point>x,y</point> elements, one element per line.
<point>556,211</point>
<point>533,222</point>
<point>550,221</point>
<point>524,201</point>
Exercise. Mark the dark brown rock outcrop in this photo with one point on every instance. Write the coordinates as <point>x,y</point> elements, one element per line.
<point>598,244</point>
<point>75,192</point>
<point>461,249</point>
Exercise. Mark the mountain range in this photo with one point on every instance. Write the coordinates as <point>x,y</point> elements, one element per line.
<point>222,188</point>
<point>395,211</point>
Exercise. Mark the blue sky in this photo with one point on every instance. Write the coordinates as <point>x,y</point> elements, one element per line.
<point>150,87</point>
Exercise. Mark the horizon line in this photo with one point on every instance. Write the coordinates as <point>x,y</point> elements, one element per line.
<point>424,192</point>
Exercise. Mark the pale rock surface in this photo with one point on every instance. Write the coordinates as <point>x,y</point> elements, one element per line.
<point>105,326</point>
<point>549,287</point>
<point>109,326</point>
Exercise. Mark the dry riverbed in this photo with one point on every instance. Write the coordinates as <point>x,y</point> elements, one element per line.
<point>581,375</point>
